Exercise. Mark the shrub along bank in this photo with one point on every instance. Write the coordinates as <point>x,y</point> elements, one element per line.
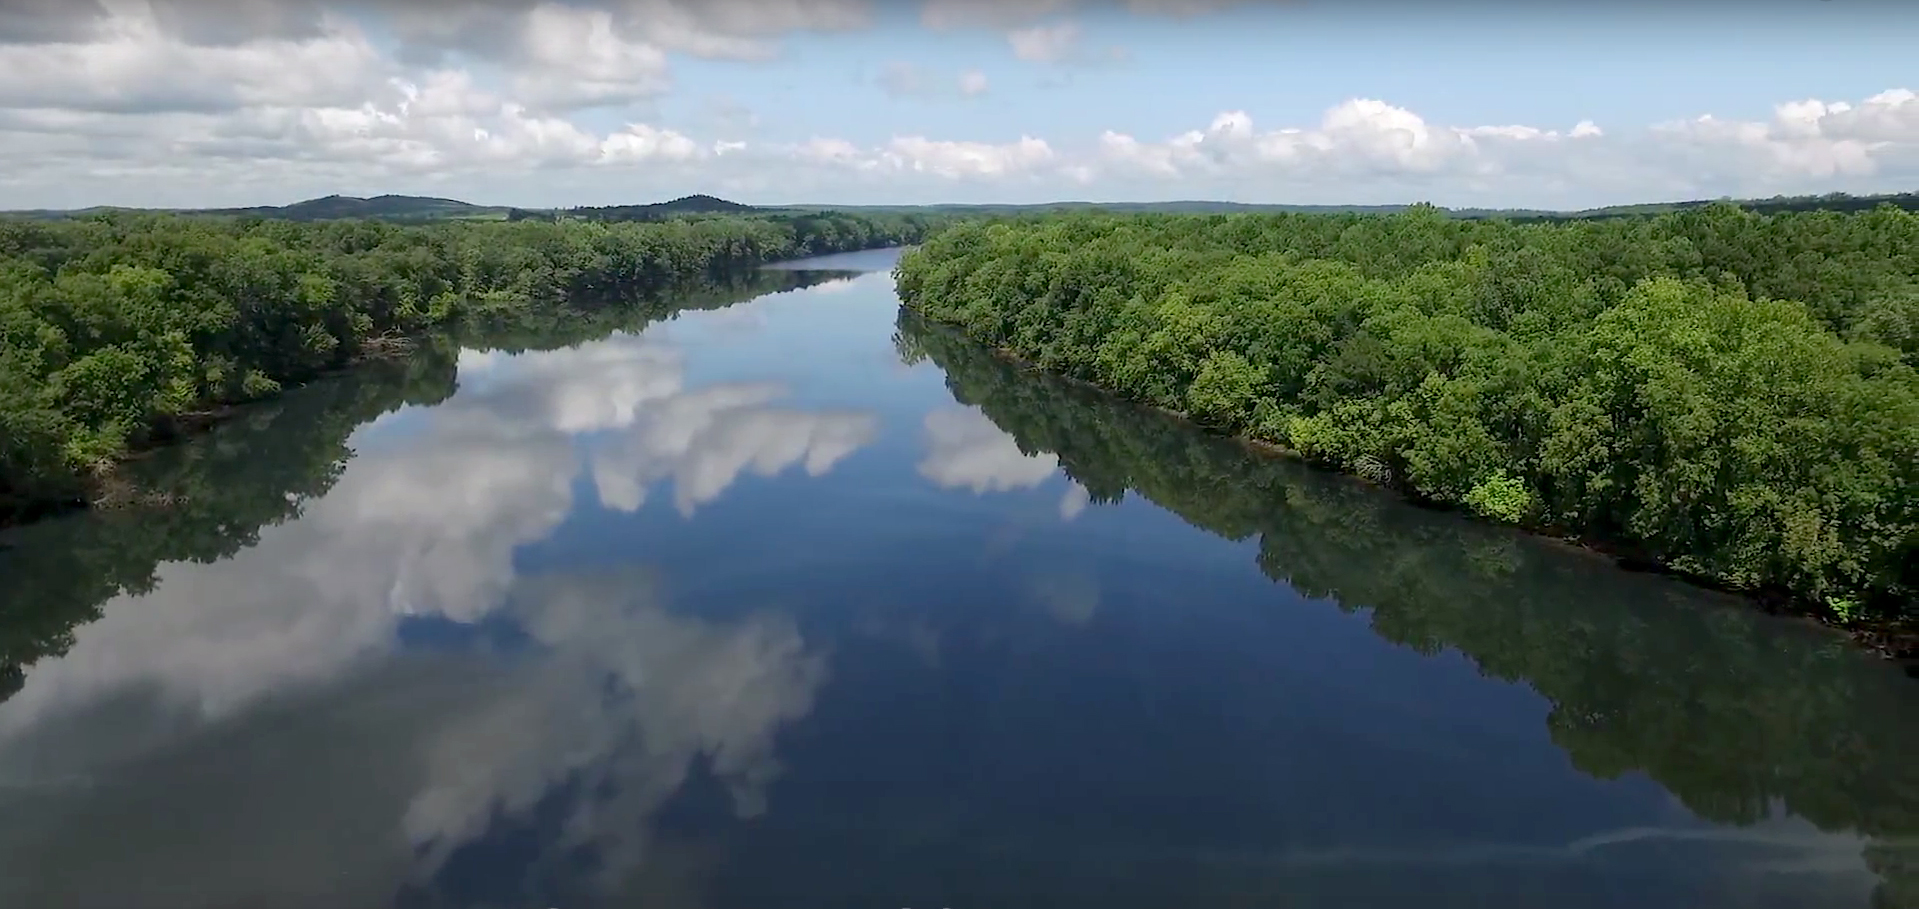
<point>116,329</point>
<point>1732,394</point>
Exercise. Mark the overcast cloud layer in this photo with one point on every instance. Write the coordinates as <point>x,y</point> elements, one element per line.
<point>228,102</point>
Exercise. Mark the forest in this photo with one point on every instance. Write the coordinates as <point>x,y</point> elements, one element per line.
<point>119,330</point>
<point>1624,671</point>
<point>1731,395</point>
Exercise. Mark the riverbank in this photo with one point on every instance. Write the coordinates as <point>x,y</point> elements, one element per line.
<point>1895,641</point>
<point>120,331</point>
<point>1705,426</point>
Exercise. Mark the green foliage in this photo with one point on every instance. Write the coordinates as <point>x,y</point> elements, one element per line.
<point>1734,394</point>
<point>113,327</point>
<point>1226,390</point>
<point>1734,712</point>
<point>1501,498</point>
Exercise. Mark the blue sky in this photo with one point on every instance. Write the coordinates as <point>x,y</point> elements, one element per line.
<point>560,102</point>
<point>1557,65</point>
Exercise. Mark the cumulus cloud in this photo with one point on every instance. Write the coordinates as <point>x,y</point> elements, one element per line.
<point>129,64</point>
<point>542,102</point>
<point>1363,139</point>
<point>576,57</point>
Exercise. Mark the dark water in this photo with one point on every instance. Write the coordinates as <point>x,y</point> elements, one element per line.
<point>800,604</point>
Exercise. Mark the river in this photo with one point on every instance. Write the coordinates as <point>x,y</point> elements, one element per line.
<point>799,603</point>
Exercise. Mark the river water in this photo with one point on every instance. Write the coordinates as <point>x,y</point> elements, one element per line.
<point>798,603</point>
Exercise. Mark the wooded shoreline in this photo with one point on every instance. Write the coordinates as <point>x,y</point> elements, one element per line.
<point>118,329</point>
<point>1656,385</point>
<point>1892,638</point>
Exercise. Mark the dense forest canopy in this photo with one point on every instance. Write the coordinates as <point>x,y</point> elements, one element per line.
<point>116,328</point>
<point>1734,394</point>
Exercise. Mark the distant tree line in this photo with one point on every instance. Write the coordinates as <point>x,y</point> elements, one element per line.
<point>119,329</point>
<point>1838,202</point>
<point>1731,394</point>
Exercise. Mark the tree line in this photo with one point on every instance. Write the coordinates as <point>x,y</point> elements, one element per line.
<point>1731,394</point>
<point>1733,713</point>
<point>120,329</point>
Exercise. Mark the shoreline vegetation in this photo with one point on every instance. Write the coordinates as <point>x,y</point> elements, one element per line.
<point>121,331</point>
<point>1729,396</point>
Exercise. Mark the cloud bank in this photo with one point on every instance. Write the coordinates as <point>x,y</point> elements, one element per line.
<point>532,102</point>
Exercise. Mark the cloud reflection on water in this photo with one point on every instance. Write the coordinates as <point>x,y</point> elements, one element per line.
<point>964,450</point>
<point>616,690</point>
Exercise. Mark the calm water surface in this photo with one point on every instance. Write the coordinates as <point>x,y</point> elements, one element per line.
<point>797,603</point>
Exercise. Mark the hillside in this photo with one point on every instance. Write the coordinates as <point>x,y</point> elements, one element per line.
<point>385,207</point>
<point>326,208</point>
<point>698,204</point>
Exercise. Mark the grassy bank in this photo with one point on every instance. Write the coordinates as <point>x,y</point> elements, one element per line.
<point>118,331</point>
<point>1732,394</point>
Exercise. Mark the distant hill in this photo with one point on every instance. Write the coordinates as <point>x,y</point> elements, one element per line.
<point>387,207</point>
<point>325,208</point>
<point>698,204</point>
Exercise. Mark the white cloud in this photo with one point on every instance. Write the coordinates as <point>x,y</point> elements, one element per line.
<point>541,102</point>
<point>573,57</point>
<point>1803,145</point>
<point>967,159</point>
<point>130,64</point>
